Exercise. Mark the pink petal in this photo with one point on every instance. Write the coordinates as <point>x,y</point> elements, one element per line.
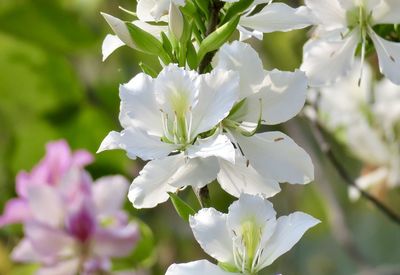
<point>115,242</point>
<point>15,211</point>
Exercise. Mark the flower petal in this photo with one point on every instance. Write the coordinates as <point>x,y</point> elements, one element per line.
<point>137,143</point>
<point>176,90</point>
<point>210,230</point>
<point>329,14</point>
<point>197,268</point>
<point>219,90</point>
<point>196,172</point>
<point>388,55</point>
<point>120,29</point>
<point>276,156</point>
<point>217,145</point>
<point>138,105</point>
<point>326,60</point>
<point>49,242</point>
<point>242,58</point>
<point>287,233</point>
<point>277,17</point>
<point>110,44</point>
<point>115,242</point>
<point>15,211</point>
<point>66,267</point>
<point>109,194</point>
<point>387,12</point>
<point>240,178</point>
<point>46,205</point>
<point>249,207</point>
<point>151,187</point>
<point>24,252</point>
<point>282,96</point>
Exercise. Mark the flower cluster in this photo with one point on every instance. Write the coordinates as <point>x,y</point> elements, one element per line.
<point>71,225</point>
<point>366,119</point>
<point>200,118</point>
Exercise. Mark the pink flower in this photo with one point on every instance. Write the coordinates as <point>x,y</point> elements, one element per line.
<point>72,225</point>
<point>57,163</point>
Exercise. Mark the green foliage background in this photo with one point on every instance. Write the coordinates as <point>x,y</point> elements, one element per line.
<point>53,85</point>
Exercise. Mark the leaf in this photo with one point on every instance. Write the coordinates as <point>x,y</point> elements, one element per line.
<point>182,208</point>
<point>216,39</point>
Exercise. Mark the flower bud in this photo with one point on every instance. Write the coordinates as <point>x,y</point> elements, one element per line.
<point>176,22</point>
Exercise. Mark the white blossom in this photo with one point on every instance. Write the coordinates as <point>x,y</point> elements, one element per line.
<point>264,159</point>
<point>245,240</point>
<point>365,118</point>
<point>163,119</point>
<point>341,26</point>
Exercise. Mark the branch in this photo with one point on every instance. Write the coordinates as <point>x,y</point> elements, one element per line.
<point>318,132</point>
<point>215,8</point>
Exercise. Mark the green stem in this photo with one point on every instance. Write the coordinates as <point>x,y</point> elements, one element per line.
<point>215,8</point>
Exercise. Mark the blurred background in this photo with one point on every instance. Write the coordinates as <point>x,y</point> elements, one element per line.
<point>54,85</point>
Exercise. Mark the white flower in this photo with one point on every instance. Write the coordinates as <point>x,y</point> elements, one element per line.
<point>273,17</point>
<point>245,240</point>
<point>262,160</point>
<point>162,120</point>
<point>155,10</point>
<point>364,118</point>
<point>342,25</point>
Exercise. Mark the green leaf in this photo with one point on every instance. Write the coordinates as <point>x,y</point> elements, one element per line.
<point>147,43</point>
<point>236,9</point>
<point>191,56</point>
<point>147,70</point>
<point>216,39</point>
<point>182,208</point>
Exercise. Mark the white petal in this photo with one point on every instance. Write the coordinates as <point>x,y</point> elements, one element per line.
<point>137,143</point>
<point>143,10</point>
<point>46,205</point>
<point>120,29</point>
<point>110,44</point>
<point>196,172</point>
<point>109,194</point>
<point>217,145</point>
<point>287,233</point>
<point>245,34</point>
<point>219,90</point>
<point>240,178</point>
<point>197,268</point>
<point>282,96</point>
<point>154,30</point>
<point>241,57</point>
<point>151,187</point>
<point>325,61</point>
<point>138,105</point>
<point>176,90</point>
<point>388,55</point>
<point>249,207</point>
<point>175,21</point>
<point>277,17</point>
<point>276,156</point>
<point>210,230</point>
<point>387,12</point>
<point>328,13</point>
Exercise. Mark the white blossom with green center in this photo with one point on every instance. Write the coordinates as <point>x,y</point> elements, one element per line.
<point>343,26</point>
<point>245,240</point>
<point>173,120</point>
<point>263,160</point>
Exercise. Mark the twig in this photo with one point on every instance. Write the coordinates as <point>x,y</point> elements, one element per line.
<point>215,8</point>
<point>326,149</point>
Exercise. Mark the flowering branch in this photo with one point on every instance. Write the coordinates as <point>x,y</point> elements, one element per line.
<point>319,134</point>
